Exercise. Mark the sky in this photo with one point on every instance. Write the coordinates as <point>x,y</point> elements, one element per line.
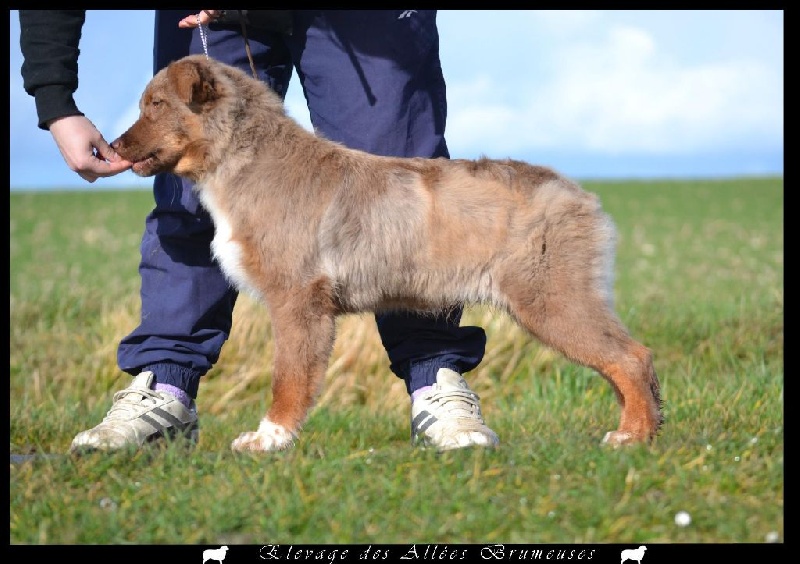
<point>629,94</point>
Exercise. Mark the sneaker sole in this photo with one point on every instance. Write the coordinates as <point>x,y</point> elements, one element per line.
<point>186,438</point>
<point>485,442</point>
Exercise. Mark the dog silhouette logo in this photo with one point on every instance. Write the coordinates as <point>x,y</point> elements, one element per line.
<point>216,554</point>
<point>633,554</point>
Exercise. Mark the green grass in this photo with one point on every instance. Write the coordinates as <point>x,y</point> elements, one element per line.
<point>699,280</point>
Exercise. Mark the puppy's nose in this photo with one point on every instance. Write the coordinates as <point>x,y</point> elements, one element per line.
<point>116,144</point>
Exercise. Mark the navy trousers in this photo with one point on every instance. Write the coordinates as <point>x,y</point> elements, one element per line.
<point>372,81</point>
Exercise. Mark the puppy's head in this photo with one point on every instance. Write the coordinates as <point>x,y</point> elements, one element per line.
<point>170,134</point>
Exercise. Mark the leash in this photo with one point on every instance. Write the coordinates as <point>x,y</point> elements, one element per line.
<point>204,39</point>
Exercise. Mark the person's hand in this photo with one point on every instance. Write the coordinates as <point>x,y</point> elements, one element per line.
<point>84,149</point>
<point>204,18</point>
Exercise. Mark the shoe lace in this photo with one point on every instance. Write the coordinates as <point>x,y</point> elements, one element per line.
<point>458,403</point>
<point>130,401</point>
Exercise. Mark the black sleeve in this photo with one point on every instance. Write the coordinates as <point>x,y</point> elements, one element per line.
<point>49,41</point>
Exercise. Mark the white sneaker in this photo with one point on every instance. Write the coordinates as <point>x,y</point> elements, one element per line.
<point>449,415</point>
<point>140,415</point>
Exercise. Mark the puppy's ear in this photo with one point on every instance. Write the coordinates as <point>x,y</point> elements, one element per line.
<point>194,83</point>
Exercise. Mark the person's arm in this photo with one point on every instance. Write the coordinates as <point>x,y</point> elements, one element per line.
<point>49,42</point>
<point>279,21</point>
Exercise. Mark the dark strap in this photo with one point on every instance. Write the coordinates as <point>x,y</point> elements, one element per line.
<point>247,45</point>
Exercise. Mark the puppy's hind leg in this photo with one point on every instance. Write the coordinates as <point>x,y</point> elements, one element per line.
<point>581,326</point>
<point>303,323</point>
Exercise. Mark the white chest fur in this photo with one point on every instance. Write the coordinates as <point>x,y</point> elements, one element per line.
<point>225,250</point>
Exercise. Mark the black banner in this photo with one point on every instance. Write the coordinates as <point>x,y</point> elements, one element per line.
<point>441,552</point>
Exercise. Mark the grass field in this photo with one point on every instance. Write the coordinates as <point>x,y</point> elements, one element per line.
<point>699,280</point>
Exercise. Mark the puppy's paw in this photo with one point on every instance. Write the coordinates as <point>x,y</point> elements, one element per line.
<point>269,437</point>
<point>619,438</point>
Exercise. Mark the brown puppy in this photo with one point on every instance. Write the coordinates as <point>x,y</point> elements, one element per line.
<point>315,230</point>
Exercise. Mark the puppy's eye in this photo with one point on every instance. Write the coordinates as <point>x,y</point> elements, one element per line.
<point>155,103</point>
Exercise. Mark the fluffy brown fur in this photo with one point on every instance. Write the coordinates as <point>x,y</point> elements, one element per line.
<point>315,230</point>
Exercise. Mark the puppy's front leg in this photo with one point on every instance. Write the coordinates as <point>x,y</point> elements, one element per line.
<point>303,325</point>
